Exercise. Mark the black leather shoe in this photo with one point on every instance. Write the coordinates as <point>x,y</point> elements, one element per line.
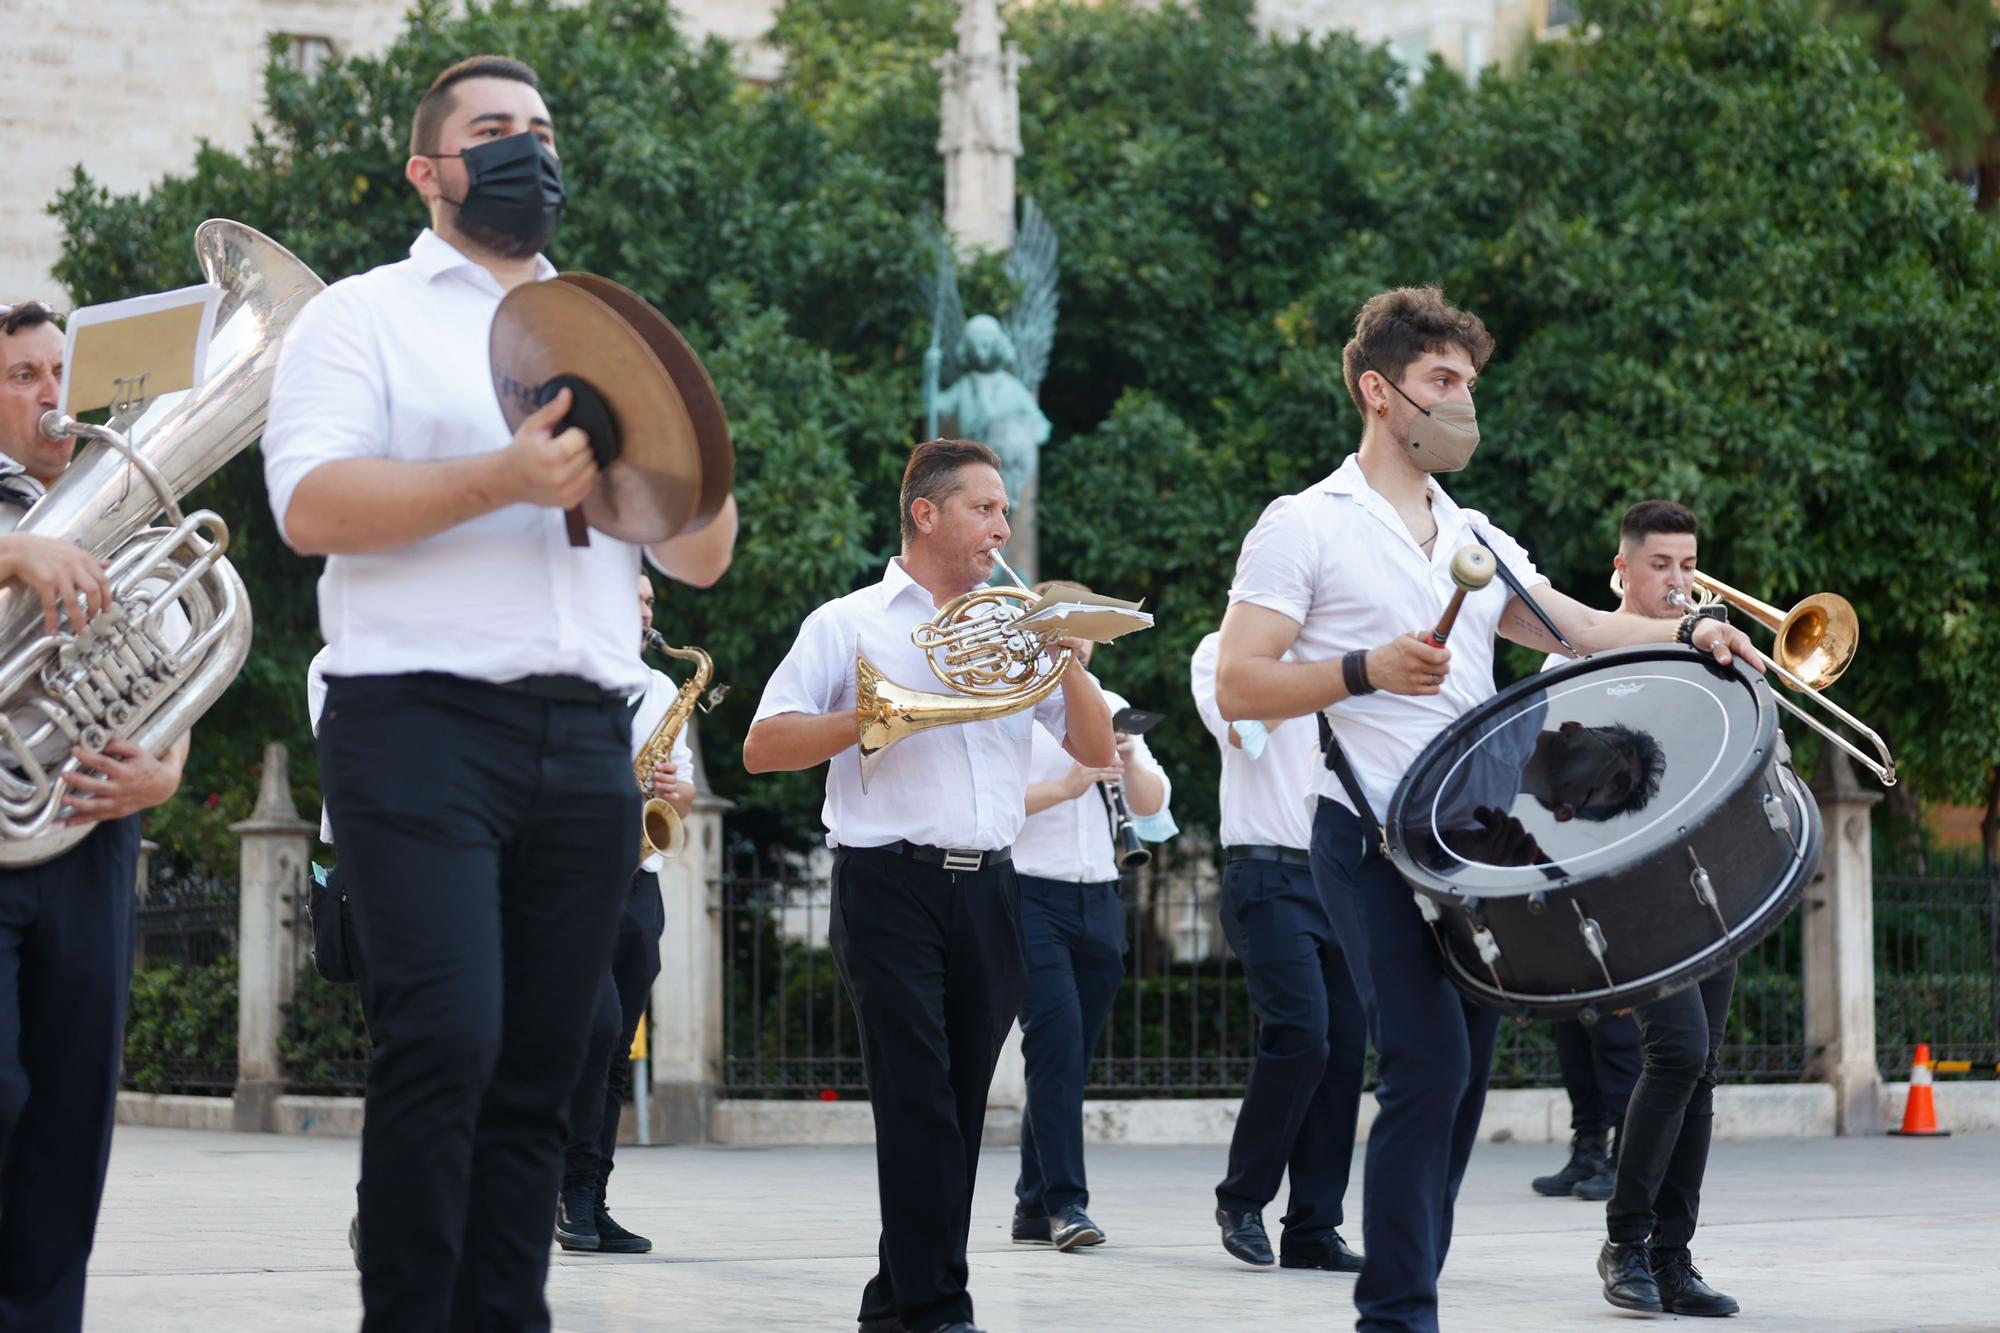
<point>1030,1230</point>
<point>1243,1236</point>
<point>1587,1157</point>
<point>890,1324</point>
<point>576,1218</point>
<point>1329,1252</point>
<point>1681,1289</point>
<point>962,1326</point>
<point>1072,1229</point>
<point>1627,1270</point>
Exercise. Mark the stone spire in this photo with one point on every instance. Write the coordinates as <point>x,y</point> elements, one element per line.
<point>979,129</point>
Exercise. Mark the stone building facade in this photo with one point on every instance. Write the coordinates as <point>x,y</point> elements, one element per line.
<point>129,87</point>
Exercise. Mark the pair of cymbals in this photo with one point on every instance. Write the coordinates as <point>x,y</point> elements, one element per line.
<point>655,422</point>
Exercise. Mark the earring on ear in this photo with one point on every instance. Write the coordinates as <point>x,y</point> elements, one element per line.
<point>1381,409</point>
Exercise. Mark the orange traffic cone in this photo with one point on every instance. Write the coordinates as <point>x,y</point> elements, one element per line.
<point>1920,1113</point>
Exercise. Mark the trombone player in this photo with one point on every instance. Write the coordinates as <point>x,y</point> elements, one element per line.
<point>926,910</point>
<point>65,923</point>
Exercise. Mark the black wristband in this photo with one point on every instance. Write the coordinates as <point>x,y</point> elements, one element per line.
<point>1354,670</point>
<point>1684,632</point>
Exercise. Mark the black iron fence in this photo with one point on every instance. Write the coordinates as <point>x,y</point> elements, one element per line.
<point>1182,1025</point>
<point>1937,964</point>
<point>180,1027</point>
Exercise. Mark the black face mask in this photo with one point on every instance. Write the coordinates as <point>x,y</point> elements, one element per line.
<point>513,195</point>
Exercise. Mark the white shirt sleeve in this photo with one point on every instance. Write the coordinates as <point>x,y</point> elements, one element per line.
<point>1053,712</point>
<point>1201,680</point>
<point>815,672</point>
<point>316,687</point>
<point>1510,551</point>
<point>1278,567</point>
<point>1143,756</point>
<point>329,399</point>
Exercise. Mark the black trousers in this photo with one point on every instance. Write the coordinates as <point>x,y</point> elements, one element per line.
<point>1075,937</point>
<point>487,840</point>
<point>1657,1193</point>
<point>65,973</point>
<point>1600,1063</point>
<point>606,1077</point>
<point>1435,1052</point>
<point>1304,1097</point>
<point>933,962</point>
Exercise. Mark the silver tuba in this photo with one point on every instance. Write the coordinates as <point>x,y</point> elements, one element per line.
<point>127,674</point>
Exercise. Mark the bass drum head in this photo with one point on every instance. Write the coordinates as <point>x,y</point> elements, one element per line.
<point>1605,833</point>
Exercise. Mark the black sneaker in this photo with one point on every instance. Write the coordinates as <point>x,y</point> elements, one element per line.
<point>1588,1157</point>
<point>614,1239</point>
<point>1601,1186</point>
<point>1031,1230</point>
<point>576,1219</point>
<point>1071,1229</point>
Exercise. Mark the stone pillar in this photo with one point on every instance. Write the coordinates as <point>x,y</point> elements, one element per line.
<point>979,129</point>
<point>1839,938</point>
<point>277,846</point>
<point>686,1036</point>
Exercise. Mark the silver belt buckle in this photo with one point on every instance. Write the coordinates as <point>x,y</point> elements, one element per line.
<point>964,861</point>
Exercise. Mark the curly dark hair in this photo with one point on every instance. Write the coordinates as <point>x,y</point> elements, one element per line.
<point>1400,325</point>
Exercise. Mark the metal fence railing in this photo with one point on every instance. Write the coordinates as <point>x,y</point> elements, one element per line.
<point>1937,965</point>
<point>1181,1026</point>
<point>180,1025</point>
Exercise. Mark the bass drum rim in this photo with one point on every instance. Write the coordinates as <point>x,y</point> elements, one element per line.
<point>1588,1006</point>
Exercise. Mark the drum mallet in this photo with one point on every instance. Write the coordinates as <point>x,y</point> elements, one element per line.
<point>1471,569</point>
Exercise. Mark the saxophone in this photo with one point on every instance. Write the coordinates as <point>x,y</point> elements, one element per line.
<point>660,829</point>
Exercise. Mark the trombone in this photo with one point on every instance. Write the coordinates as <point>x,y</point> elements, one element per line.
<point>1813,644</point>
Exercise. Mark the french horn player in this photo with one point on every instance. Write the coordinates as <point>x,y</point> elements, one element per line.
<point>925,792</point>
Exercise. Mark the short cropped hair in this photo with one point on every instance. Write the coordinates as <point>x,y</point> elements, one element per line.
<point>932,474</point>
<point>1647,517</point>
<point>438,102</point>
<point>1400,325</point>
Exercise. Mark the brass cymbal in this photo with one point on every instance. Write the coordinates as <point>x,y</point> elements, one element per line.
<point>653,416</point>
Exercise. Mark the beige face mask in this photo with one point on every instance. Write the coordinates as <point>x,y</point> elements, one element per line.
<point>1443,436</point>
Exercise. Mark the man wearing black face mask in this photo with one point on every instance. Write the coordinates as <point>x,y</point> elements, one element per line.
<point>474,743</point>
<point>1334,591</point>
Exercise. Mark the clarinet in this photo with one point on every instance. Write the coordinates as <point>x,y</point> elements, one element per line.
<point>1130,851</point>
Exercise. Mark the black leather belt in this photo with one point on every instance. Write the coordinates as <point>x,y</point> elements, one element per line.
<point>950,858</point>
<point>563,689</point>
<point>1264,851</point>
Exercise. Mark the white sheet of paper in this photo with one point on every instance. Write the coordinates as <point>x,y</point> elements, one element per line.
<point>163,336</point>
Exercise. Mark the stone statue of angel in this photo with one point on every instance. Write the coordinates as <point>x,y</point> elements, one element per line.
<point>991,369</point>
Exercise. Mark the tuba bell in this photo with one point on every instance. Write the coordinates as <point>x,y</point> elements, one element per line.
<point>121,676</point>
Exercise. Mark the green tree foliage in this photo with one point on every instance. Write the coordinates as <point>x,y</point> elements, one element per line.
<point>1720,264</point>
<point>1945,55</point>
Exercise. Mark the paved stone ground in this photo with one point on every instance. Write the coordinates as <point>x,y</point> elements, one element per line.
<point>205,1231</point>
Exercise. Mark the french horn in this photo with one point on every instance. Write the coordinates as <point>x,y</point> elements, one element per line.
<point>123,675</point>
<point>977,648</point>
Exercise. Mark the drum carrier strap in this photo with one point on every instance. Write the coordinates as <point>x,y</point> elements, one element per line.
<point>1337,761</point>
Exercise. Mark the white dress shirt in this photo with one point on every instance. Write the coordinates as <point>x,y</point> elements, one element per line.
<point>653,703</point>
<point>962,786</point>
<point>1266,800</point>
<point>1336,559</point>
<point>393,364</point>
<point>1071,840</point>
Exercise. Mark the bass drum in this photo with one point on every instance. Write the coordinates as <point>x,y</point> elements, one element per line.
<point>1607,833</point>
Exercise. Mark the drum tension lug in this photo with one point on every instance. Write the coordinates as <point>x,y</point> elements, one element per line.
<point>1775,814</point>
<point>1704,891</point>
<point>1538,903</point>
<point>1426,909</point>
